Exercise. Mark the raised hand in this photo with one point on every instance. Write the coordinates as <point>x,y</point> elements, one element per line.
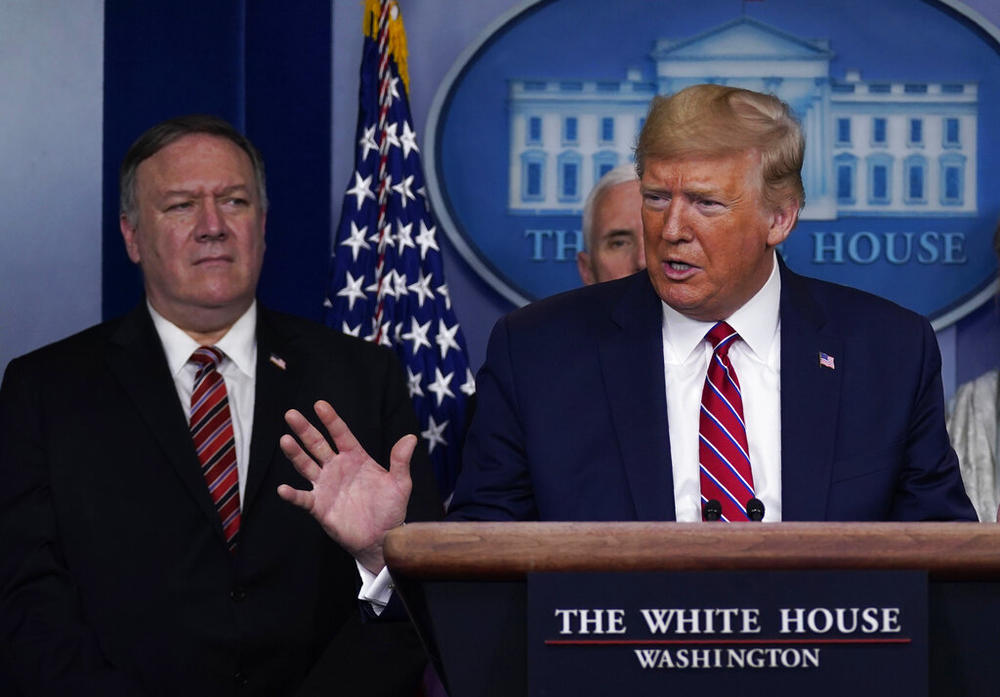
<point>354,498</point>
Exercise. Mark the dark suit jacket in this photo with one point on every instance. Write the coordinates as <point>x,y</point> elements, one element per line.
<point>114,578</point>
<point>571,420</point>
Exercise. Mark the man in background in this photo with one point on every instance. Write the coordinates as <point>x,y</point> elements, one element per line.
<point>143,550</point>
<point>612,228</point>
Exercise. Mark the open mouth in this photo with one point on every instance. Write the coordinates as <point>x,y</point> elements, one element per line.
<point>678,270</point>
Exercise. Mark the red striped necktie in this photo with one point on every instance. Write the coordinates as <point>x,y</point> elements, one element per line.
<point>212,432</point>
<point>722,436</point>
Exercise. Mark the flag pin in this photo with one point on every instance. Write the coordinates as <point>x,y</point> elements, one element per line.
<point>280,362</point>
<point>826,360</point>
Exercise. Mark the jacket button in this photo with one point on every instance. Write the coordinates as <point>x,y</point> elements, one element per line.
<point>240,679</point>
<point>238,593</point>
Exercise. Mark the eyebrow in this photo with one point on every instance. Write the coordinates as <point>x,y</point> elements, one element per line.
<point>190,192</point>
<point>618,232</point>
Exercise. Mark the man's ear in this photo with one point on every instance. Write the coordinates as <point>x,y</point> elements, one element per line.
<point>781,221</point>
<point>130,236</point>
<point>585,269</point>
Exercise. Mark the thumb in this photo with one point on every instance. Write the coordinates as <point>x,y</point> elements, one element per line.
<point>399,461</point>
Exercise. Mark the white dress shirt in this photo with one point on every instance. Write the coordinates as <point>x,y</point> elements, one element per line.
<point>238,369</point>
<point>756,358</point>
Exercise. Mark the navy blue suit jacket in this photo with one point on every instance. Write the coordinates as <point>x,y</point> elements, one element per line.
<point>571,420</point>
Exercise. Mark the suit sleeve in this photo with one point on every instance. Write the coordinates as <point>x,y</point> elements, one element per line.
<point>930,485</point>
<point>46,644</point>
<point>495,481</point>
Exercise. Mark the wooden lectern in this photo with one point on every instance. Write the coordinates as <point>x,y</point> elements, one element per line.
<point>464,583</point>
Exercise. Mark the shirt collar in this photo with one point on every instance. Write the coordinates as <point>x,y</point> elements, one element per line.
<point>756,322</point>
<point>239,343</point>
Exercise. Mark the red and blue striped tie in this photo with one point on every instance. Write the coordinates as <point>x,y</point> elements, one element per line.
<point>212,432</point>
<point>722,436</point>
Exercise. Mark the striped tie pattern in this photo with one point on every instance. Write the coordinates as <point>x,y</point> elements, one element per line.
<point>212,433</point>
<point>722,436</point>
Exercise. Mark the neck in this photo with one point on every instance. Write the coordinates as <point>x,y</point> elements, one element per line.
<point>205,325</point>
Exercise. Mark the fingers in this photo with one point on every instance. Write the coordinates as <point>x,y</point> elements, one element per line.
<point>399,461</point>
<point>299,458</point>
<point>315,444</point>
<point>336,427</point>
<point>302,499</point>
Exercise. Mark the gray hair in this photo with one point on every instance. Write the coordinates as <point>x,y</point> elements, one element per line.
<point>163,134</point>
<point>621,174</point>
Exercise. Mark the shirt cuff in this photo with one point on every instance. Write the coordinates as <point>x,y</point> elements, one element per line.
<point>375,590</point>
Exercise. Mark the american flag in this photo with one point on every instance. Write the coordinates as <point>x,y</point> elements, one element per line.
<point>387,283</point>
<point>826,360</point>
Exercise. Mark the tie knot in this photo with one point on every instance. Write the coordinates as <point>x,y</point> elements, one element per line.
<point>206,358</point>
<point>721,336</point>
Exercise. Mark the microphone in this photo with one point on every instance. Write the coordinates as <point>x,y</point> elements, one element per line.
<point>755,509</point>
<point>712,510</point>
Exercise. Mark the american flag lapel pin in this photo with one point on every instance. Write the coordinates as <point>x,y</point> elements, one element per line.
<point>826,360</point>
<point>280,362</point>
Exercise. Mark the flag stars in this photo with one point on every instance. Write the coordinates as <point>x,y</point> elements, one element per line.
<point>446,337</point>
<point>368,142</point>
<point>469,386</point>
<point>404,235</point>
<point>408,140</point>
<point>418,334</point>
<point>443,292</point>
<point>362,189</point>
<point>413,383</point>
<point>403,189</point>
<point>399,281</point>
<point>388,285</point>
<point>393,93</point>
<point>348,329</point>
<point>385,239</point>
<point>441,387</point>
<point>389,138</point>
<point>423,288</point>
<point>356,241</point>
<point>434,435</point>
<point>352,290</point>
<point>427,239</point>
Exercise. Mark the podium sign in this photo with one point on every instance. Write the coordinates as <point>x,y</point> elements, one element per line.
<point>775,633</point>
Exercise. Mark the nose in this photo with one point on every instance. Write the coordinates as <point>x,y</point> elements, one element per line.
<point>211,224</point>
<point>674,229</point>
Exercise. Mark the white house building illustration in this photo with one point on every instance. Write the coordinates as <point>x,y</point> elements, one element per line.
<point>873,147</point>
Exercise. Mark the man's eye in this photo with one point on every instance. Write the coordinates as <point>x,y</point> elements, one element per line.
<point>183,205</point>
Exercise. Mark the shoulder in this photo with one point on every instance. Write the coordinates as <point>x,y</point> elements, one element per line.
<point>849,309</point>
<point>71,352</point>
<point>279,332</point>
<point>578,308</point>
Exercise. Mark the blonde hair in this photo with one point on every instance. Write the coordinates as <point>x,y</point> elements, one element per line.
<point>715,120</point>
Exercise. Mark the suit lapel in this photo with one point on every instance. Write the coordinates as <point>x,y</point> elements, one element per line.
<point>279,371</point>
<point>810,395</point>
<point>631,354</point>
<point>136,359</point>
